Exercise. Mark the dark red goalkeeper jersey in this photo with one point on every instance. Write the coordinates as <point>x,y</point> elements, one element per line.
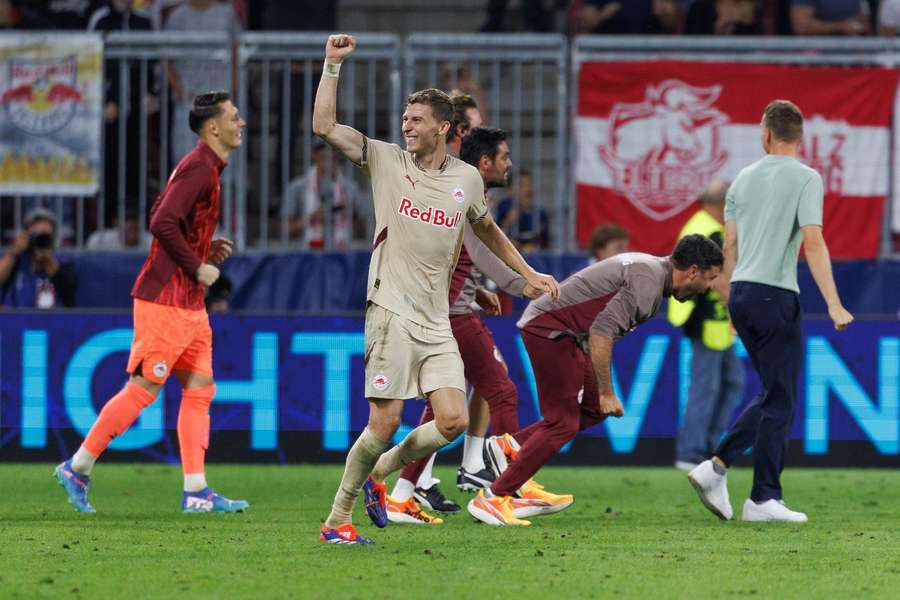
<point>182,221</point>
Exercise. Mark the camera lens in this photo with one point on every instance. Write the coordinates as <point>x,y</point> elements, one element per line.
<point>41,240</point>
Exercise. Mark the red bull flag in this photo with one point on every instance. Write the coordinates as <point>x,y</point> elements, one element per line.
<point>50,113</point>
<point>651,135</point>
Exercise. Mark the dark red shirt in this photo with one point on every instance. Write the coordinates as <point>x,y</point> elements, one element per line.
<point>182,221</point>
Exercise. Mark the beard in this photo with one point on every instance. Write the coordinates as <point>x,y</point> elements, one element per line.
<point>685,295</point>
<point>494,183</point>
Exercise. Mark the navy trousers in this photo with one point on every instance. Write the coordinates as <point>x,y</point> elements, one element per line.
<point>768,320</point>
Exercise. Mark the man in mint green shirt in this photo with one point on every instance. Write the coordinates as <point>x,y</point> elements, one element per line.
<point>772,206</point>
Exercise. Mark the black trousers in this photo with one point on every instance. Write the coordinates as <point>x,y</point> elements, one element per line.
<point>768,320</point>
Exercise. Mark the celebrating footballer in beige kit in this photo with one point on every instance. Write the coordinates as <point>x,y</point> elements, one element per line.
<point>421,196</point>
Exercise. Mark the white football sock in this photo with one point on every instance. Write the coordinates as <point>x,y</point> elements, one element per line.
<point>403,490</point>
<point>418,443</point>
<point>467,441</point>
<point>425,480</point>
<point>473,454</point>
<point>195,482</point>
<point>83,461</point>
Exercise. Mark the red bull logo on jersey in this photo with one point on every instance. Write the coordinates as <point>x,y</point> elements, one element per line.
<point>664,150</point>
<point>40,95</point>
<point>433,216</point>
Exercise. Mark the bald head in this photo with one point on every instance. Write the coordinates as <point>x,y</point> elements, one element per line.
<point>715,192</point>
<point>712,200</point>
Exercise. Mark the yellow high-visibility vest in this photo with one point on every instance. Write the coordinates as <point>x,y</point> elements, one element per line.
<point>715,330</point>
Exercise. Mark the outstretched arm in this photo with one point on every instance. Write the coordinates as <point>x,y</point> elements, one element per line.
<point>495,269</point>
<point>820,266</point>
<point>488,232</point>
<point>346,140</point>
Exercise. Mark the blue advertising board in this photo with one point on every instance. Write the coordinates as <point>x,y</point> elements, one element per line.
<point>290,389</point>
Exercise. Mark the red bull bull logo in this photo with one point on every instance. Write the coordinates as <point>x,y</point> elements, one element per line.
<point>41,95</point>
<point>433,216</point>
<point>665,150</point>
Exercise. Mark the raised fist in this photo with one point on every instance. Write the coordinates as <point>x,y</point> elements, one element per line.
<point>338,47</point>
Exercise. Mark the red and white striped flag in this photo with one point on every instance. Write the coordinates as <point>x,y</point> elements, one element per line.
<point>651,135</point>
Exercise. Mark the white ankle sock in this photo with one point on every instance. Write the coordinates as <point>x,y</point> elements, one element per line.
<point>425,479</point>
<point>194,482</point>
<point>473,454</point>
<point>403,490</point>
<point>83,461</point>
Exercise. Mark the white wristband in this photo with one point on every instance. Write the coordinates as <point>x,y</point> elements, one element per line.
<point>332,70</point>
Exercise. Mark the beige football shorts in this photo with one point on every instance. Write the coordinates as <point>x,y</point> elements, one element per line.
<point>406,360</point>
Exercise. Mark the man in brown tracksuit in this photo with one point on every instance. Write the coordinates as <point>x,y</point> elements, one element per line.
<point>570,344</point>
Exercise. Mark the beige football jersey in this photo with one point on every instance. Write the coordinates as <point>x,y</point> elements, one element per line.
<point>418,230</point>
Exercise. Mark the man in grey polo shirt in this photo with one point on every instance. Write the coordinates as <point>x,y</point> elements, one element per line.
<point>771,207</point>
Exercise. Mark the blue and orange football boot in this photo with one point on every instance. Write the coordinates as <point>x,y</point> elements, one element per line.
<point>345,534</point>
<point>375,495</point>
<point>76,486</point>
<point>207,500</point>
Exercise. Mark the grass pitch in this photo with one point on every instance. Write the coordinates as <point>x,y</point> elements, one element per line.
<point>638,533</point>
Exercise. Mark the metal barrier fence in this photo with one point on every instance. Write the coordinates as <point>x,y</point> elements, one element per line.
<point>519,82</point>
<point>139,127</point>
<point>162,137</point>
<point>526,84</point>
<point>277,170</point>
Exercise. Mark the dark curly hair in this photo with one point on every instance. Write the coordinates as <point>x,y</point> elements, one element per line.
<point>481,141</point>
<point>696,249</point>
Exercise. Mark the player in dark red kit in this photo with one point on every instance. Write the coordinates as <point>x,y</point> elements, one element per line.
<point>171,327</point>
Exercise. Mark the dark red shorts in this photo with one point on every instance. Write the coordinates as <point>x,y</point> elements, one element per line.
<point>482,361</point>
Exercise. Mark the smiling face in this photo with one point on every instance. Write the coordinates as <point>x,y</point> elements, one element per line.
<point>421,131</point>
<point>228,126</point>
<point>692,282</point>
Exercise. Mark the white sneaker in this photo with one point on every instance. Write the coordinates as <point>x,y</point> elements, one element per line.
<point>771,510</point>
<point>683,465</point>
<point>712,489</point>
<point>501,450</point>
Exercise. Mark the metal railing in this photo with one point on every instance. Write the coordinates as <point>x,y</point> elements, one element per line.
<point>519,82</point>
<point>278,153</point>
<point>162,118</point>
<point>526,84</point>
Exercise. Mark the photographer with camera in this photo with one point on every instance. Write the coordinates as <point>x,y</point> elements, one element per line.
<point>31,275</point>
